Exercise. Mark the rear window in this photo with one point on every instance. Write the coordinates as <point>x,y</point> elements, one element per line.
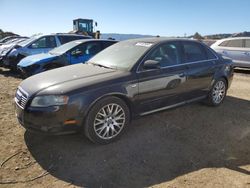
<point>247,45</point>
<point>238,43</point>
<point>108,43</point>
<point>210,54</point>
<point>194,52</point>
<point>66,39</point>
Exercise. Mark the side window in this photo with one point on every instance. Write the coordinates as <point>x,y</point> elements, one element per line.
<point>93,48</point>
<point>210,54</point>
<point>51,42</point>
<point>66,39</point>
<point>247,44</point>
<point>238,43</point>
<point>224,43</point>
<point>62,39</point>
<point>193,52</point>
<point>167,54</point>
<point>78,50</point>
<point>107,44</point>
<point>87,49</point>
<point>44,42</point>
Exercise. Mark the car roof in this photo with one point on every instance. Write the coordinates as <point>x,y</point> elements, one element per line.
<point>234,38</point>
<point>156,40</point>
<point>60,34</point>
<point>93,40</point>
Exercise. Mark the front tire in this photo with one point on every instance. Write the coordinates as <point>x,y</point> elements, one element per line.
<point>107,120</point>
<point>217,93</point>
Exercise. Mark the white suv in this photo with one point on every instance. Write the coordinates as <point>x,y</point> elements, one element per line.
<point>237,48</point>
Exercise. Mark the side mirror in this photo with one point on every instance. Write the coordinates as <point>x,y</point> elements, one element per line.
<point>76,53</point>
<point>151,64</point>
<point>34,45</point>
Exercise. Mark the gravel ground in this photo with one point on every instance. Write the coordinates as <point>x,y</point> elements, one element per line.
<point>190,146</point>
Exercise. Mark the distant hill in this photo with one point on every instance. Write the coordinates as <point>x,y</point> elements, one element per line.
<point>5,34</point>
<point>243,34</point>
<point>218,36</point>
<point>226,35</point>
<point>120,37</point>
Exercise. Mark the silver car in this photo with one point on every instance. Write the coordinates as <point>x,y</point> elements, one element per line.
<point>237,48</point>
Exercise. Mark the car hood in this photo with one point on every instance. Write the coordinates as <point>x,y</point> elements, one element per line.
<point>66,79</point>
<point>36,59</point>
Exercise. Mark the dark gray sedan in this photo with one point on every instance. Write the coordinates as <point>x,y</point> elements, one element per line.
<point>131,78</point>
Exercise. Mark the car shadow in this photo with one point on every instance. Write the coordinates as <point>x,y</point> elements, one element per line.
<point>9,73</point>
<point>244,71</point>
<point>155,149</point>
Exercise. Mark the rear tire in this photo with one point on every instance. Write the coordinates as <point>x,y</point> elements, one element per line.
<point>107,120</point>
<point>217,93</point>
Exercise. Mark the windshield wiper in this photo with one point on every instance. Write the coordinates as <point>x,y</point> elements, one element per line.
<point>96,64</point>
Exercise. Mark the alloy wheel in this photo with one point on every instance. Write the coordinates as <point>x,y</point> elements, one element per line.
<point>109,121</point>
<point>219,91</point>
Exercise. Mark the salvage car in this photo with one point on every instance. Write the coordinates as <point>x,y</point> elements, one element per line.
<point>128,79</point>
<point>74,52</point>
<point>8,46</point>
<point>6,39</point>
<point>236,48</point>
<point>36,45</point>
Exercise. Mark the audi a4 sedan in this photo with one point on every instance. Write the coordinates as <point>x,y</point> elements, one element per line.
<point>237,48</point>
<point>128,79</point>
<point>78,51</point>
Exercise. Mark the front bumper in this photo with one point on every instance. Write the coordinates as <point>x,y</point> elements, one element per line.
<point>50,120</point>
<point>29,70</point>
<point>12,61</point>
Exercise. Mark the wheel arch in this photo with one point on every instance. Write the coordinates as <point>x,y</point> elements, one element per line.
<point>218,77</point>
<point>121,96</point>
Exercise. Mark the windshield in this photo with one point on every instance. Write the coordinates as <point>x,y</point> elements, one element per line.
<point>25,42</point>
<point>122,55</point>
<point>65,47</point>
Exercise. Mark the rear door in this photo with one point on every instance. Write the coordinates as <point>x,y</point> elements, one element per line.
<point>202,64</point>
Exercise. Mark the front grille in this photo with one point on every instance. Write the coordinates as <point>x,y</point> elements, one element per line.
<point>21,97</point>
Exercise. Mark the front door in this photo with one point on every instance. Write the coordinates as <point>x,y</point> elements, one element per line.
<point>162,86</point>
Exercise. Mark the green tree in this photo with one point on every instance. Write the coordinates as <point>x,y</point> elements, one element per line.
<point>197,36</point>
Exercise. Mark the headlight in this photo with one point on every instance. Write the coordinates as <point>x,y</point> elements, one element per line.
<point>49,100</point>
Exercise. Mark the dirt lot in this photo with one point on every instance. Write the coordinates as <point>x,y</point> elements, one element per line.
<point>190,146</point>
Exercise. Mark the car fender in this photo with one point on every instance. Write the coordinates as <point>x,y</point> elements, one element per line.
<point>225,71</point>
<point>88,99</point>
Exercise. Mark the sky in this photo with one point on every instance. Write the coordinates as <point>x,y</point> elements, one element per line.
<point>153,17</point>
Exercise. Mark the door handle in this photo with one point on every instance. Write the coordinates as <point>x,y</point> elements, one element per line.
<point>246,53</point>
<point>224,52</point>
